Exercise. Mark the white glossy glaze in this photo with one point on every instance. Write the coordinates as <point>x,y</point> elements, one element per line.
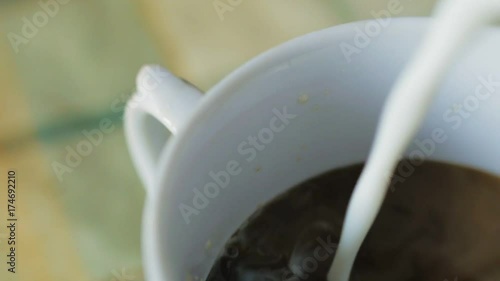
<point>339,132</point>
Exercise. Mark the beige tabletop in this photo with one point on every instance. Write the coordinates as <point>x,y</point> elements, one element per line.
<point>64,75</point>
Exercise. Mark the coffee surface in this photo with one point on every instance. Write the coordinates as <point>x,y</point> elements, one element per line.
<point>441,223</point>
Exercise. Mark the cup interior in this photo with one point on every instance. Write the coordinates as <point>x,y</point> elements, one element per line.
<point>294,112</point>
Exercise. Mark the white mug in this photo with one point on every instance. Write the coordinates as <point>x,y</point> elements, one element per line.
<point>300,109</point>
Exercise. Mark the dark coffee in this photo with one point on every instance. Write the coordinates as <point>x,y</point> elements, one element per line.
<point>441,223</point>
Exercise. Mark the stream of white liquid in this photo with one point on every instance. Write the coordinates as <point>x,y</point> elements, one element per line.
<point>453,25</point>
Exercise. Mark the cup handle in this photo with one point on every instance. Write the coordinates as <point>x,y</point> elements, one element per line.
<point>160,107</point>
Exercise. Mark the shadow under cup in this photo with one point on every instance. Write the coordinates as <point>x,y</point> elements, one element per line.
<point>297,111</point>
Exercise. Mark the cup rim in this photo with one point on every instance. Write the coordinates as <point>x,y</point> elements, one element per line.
<point>153,259</point>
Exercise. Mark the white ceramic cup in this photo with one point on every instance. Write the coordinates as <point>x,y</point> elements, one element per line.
<point>332,84</point>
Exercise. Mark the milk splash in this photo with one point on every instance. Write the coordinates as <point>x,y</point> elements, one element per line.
<point>454,24</point>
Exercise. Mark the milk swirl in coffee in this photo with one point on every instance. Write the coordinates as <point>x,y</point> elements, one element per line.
<point>442,222</point>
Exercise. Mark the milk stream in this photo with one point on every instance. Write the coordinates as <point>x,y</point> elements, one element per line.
<point>453,25</point>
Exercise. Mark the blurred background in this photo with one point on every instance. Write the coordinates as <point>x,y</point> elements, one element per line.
<point>66,65</point>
